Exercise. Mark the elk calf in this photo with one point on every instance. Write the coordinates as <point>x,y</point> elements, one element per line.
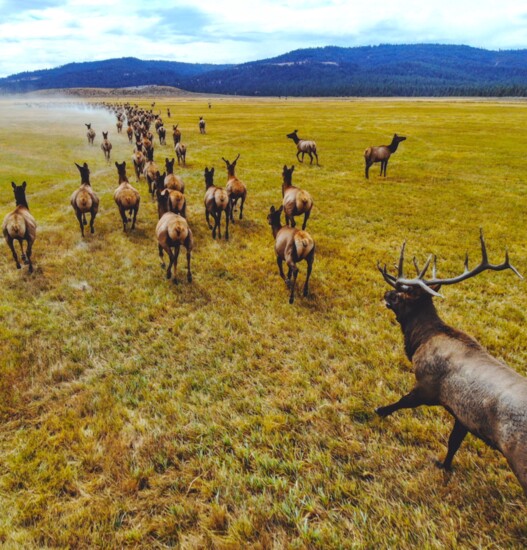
<point>295,201</point>
<point>216,202</point>
<point>85,200</point>
<point>236,188</point>
<point>304,146</point>
<point>381,154</point>
<point>126,197</point>
<point>19,225</point>
<point>485,396</point>
<point>292,246</point>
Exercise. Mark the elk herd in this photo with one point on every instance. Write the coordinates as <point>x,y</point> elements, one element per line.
<point>485,396</point>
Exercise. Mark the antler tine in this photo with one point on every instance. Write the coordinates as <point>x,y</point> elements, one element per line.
<point>425,268</point>
<point>434,267</point>
<point>390,279</point>
<point>400,270</point>
<point>416,266</point>
<point>466,263</point>
<point>510,266</point>
<point>484,257</point>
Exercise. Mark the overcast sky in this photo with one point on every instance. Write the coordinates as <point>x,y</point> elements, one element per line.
<point>42,34</point>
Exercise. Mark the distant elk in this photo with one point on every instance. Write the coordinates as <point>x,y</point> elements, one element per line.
<point>119,125</point>
<point>296,201</point>
<point>126,197</point>
<point>304,146</point>
<point>216,201</point>
<point>176,134</point>
<point>381,154</point>
<point>84,200</point>
<point>139,159</point>
<point>162,133</point>
<point>485,396</point>
<point>106,146</point>
<point>19,225</point>
<point>130,133</point>
<point>235,187</point>
<point>291,246</point>
<point>201,125</point>
<point>90,134</point>
<point>181,153</point>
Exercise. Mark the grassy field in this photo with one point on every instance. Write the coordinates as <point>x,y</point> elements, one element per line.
<point>136,412</point>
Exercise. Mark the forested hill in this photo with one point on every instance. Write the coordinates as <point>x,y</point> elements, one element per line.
<point>386,70</point>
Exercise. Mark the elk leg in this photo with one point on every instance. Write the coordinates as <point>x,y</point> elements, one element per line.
<point>409,401</point>
<point>454,441</point>
<point>28,255</point>
<point>79,218</point>
<point>168,250</point>
<point>309,259</point>
<point>208,219</point>
<point>316,156</point>
<point>227,211</point>
<point>12,247</point>
<point>84,222</point>
<point>367,169</point>
<point>298,156</point>
<point>136,209</point>
<point>218,214</point>
<point>189,274</point>
<point>92,221</point>
<point>310,157</point>
<point>122,211</point>
<point>233,207</point>
<point>241,207</point>
<point>306,217</point>
<point>279,261</point>
<point>292,285</point>
<point>22,254</point>
<point>161,256</point>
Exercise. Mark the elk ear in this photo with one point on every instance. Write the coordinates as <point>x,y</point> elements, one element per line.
<point>24,184</point>
<point>293,168</point>
<point>272,209</point>
<point>212,170</point>
<point>116,164</point>
<point>13,185</point>
<point>280,209</point>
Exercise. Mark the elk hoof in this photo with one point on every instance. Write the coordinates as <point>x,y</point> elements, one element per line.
<point>18,266</point>
<point>291,299</point>
<point>189,278</point>
<point>382,412</point>
<point>442,466</point>
<point>92,230</point>
<point>175,281</point>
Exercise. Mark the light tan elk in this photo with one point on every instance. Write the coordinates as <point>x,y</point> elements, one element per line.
<point>236,188</point>
<point>90,134</point>
<point>304,146</point>
<point>295,201</point>
<point>176,199</point>
<point>106,146</point>
<point>126,197</point>
<point>84,199</point>
<point>19,225</point>
<point>381,154</point>
<point>216,202</point>
<point>171,180</point>
<point>291,246</point>
<point>485,396</point>
<point>172,233</point>
<point>181,153</point>
<point>139,159</point>
<point>176,134</point>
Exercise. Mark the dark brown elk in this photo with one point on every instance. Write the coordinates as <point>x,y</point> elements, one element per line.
<point>172,233</point>
<point>216,202</point>
<point>291,246</point>
<point>236,188</point>
<point>106,146</point>
<point>90,134</point>
<point>296,201</point>
<point>172,181</point>
<point>139,159</point>
<point>485,396</point>
<point>84,200</point>
<point>126,197</point>
<point>19,225</point>
<point>304,146</point>
<point>381,154</point>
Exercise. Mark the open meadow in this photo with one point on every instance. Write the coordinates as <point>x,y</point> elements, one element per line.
<point>137,412</point>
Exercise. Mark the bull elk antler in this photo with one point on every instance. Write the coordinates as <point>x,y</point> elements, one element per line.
<point>400,282</point>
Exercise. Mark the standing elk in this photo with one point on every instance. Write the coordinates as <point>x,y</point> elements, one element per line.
<point>84,200</point>
<point>291,246</point>
<point>236,188</point>
<point>172,232</point>
<point>106,146</point>
<point>304,146</point>
<point>90,134</point>
<point>201,125</point>
<point>216,202</point>
<point>181,153</point>
<point>126,197</point>
<point>172,181</point>
<point>19,225</point>
<point>381,154</point>
<point>485,396</point>
<point>295,201</point>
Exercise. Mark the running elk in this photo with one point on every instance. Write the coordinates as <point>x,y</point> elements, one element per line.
<point>381,154</point>
<point>216,202</point>
<point>126,197</point>
<point>171,180</point>
<point>106,146</point>
<point>295,201</point>
<point>138,158</point>
<point>172,232</point>
<point>291,246</point>
<point>304,146</point>
<point>90,134</point>
<point>19,225</point>
<point>149,171</point>
<point>84,200</point>
<point>172,200</point>
<point>485,396</point>
<point>176,134</point>
<point>236,188</point>
<point>181,153</point>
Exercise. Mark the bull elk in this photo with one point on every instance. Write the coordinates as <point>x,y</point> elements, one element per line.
<point>304,146</point>
<point>485,396</point>
<point>19,225</point>
<point>381,154</point>
<point>291,246</point>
